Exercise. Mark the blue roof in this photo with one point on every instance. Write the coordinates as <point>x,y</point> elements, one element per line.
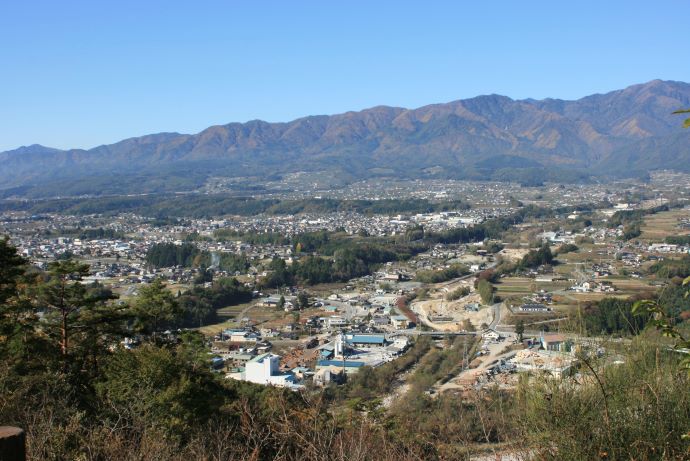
<point>367,339</point>
<point>339,363</point>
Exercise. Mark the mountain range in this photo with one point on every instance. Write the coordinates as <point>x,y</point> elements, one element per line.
<point>627,132</point>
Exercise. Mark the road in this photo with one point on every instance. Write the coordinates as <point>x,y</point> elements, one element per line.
<point>411,332</point>
<point>495,353</point>
<point>464,277</point>
<point>471,374</point>
<point>497,316</point>
<point>345,309</point>
<point>243,313</point>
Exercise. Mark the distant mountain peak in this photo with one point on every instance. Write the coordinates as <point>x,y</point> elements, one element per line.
<point>33,148</point>
<point>463,138</point>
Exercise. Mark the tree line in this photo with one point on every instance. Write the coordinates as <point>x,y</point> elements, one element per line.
<point>188,255</point>
<point>350,261</point>
<point>207,206</point>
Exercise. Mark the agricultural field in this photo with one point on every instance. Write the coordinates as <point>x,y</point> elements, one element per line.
<point>229,317</point>
<point>233,312</point>
<point>523,286</point>
<point>658,226</point>
<point>628,286</point>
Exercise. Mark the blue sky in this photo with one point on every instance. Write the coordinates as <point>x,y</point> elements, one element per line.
<point>81,74</point>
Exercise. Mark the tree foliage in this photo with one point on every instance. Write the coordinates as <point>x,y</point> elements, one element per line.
<point>436,276</point>
<point>169,254</point>
<point>536,258</point>
<point>155,308</point>
<point>486,291</point>
<point>520,329</point>
<point>613,316</point>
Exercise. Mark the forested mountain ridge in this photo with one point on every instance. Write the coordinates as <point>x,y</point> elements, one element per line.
<point>483,137</point>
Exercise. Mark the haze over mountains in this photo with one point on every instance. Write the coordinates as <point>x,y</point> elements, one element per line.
<point>621,133</point>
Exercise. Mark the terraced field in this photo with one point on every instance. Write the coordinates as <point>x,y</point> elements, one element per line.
<point>522,286</point>
<point>661,225</point>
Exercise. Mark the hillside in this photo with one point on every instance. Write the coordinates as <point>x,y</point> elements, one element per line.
<point>483,137</point>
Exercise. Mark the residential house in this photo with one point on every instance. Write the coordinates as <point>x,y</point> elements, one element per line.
<point>491,335</point>
<point>400,322</point>
<point>534,308</point>
<point>555,342</point>
<point>329,374</point>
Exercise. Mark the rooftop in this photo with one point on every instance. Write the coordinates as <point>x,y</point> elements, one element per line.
<point>340,363</point>
<point>367,339</point>
<point>260,358</point>
<point>554,338</point>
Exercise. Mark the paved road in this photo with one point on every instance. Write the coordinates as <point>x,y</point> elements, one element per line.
<point>344,308</point>
<point>497,315</point>
<point>434,333</point>
<point>471,274</point>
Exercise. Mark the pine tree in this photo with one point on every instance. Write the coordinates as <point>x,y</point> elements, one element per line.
<point>154,307</point>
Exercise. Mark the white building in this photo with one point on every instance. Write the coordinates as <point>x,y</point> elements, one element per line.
<point>400,322</point>
<point>260,369</point>
<point>336,321</point>
<point>264,369</point>
<point>491,335</point>
<point>243,337</point>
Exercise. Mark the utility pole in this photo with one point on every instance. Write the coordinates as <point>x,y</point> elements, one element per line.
<point>464,354</point>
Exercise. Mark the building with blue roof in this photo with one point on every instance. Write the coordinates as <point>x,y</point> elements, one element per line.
<point>326,353</point>
<point>366,340</point>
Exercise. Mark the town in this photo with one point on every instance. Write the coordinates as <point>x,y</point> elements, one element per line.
<point>514,309</point>
<point>344,231</point>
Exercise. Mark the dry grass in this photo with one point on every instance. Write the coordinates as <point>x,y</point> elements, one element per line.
<point>521,286</point>
<point>661,225</point>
